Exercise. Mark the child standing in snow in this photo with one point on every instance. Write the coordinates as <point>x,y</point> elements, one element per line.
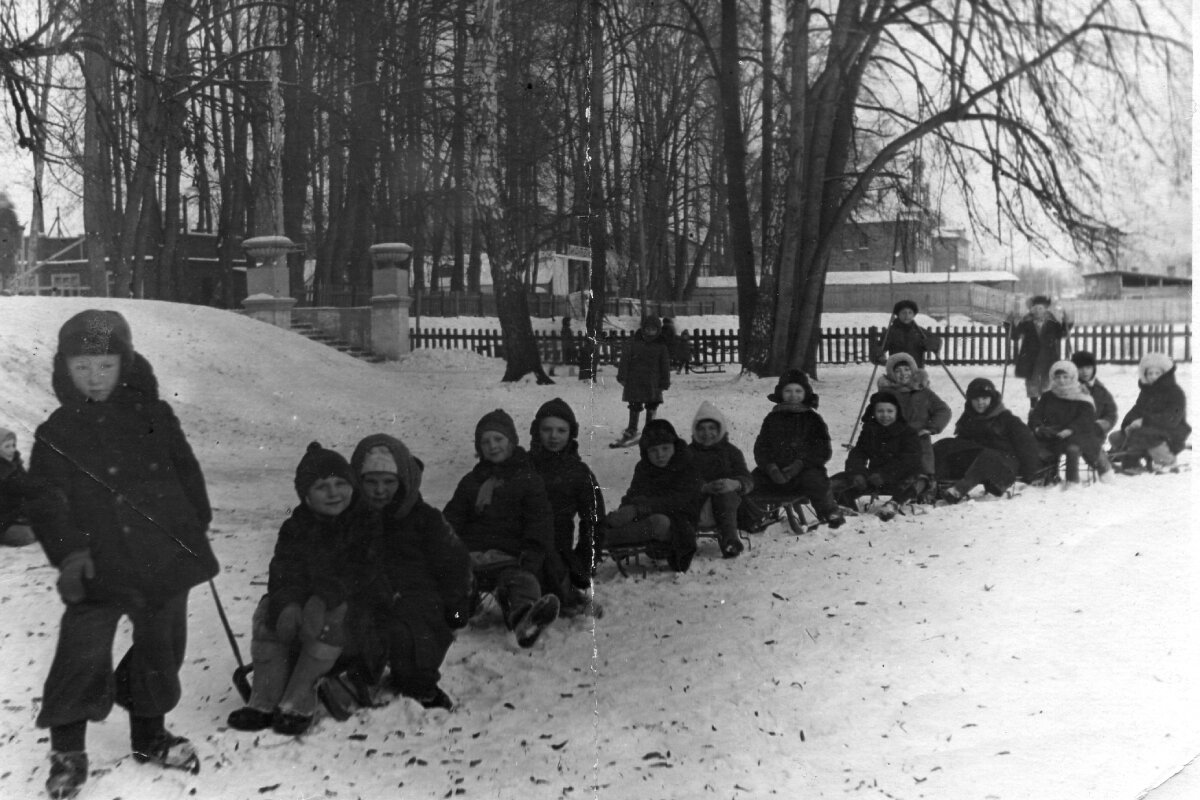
<point>16,490</point>
<point>1106,406</point>
<point>1039,336</point>
<point>726,477</point>
<point>645,373</point>
<point>573,492</point>
<point>1156,428</point>
<point>903,335</point>
<point>427,567</point>
<point>886,459</point>
<point>127,534</point>
<point>324,584</point>
<point>1064,422</point>
<point>501,513</point>
<point>793,447</point>
<point>922,409</point>
<point>662,504</point>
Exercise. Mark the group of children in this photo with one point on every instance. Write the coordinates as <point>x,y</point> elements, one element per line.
<point>368,582</point>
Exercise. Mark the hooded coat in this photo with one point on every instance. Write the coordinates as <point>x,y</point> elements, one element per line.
<point>573,492</point>
<point>673,491</point>
<point>791,433</point>
<point>892,452</point>
<point>644,370</point>
<point>1162,407</point>
<point>1076,412</point>
<point>996,429</point>
<point>720,460</point>
<point>126,487</point>
<point>919,404</point>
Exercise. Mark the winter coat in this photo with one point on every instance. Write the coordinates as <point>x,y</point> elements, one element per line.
<point>426,565</point>
<point>673,491</point>
<point>127,488</point>
<point>16,490</point>
<point>1162,407</point>
<point>792,433</point>
<point>905,337</point>
<point>645,370</point>
<point>892,452</point>
<point>723,459</point>
<point>998,429</point>
<point>1038,349</point>
<point>573,492</point>
<point>1106,406</point>
<point>518,519</point>
<point>1053,414</point>
<point>919,404</point>
<point>334,558</point>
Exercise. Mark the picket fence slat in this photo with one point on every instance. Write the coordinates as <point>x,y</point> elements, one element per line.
<point>1112,344</point>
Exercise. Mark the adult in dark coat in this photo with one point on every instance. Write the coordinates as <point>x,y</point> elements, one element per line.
<point>126,530</point>
<point>662,504</point>
<point>792,448</point>
<point>886,459</point>
<point>645,373</point>
<point>502,514</point>
<point>1039,336</point>
<point>573,493</point>
<point>17,490</point>
<point>1156,427</point>
<point>1064,422</point>
<point>427,567</point>
<point>723,469</point>
<point>1106,406</point>
<point>904,335</point>
<point>990,446</point>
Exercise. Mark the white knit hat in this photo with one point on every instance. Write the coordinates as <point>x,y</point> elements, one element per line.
<point>379,459</point>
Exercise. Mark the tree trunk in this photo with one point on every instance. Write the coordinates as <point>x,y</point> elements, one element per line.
<point>97,170</point>
<point>598,229</point>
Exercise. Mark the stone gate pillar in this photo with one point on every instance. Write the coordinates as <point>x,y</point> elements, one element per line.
<point>390,299</point>
<point>269,298</point>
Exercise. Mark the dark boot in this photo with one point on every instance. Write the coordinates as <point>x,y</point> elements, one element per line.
<point>68,771</point>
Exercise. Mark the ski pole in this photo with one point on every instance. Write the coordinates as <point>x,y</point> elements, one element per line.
<point>883,351</point>
<point>943,363</point>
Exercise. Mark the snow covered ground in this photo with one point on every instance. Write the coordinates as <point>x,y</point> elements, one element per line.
<point>1040,647</point>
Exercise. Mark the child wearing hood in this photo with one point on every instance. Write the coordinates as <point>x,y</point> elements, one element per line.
<point>323,588</point>
<point>793,447</point>
<point>662,504</point>
<point>1106,406</point>
<point>1064,422</point>
<point>427,567</point>
<point>903,335</point>
<point>1156,428</point>
<point>126,529</point>
<point>726,477</point>
<point>16,490</point>
<point>991,446</point>
<point>573,492</point>
<point>922,409</point>
<point>501,513</point>
<point>886,459</point>
<point>644,373</point>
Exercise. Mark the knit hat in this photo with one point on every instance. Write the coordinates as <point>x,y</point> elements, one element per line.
<point>96,333</point>
<point>498,421</point>
<point>6,434</point>
<point>1156,360</point>
<point>404,464</point>
<point>656,432</point>
<point>981,387</point>
<point>1065,366</point>
<point>883,397</point>
<point>319,463</point>
<point>794,376</point>
<point>1039,300</point>
<point>559,409</point>
<point>379,459</point>
<point>1082,358</point>
<point>903,304</point>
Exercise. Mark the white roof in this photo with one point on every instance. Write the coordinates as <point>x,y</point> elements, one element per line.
<point>873,277</point>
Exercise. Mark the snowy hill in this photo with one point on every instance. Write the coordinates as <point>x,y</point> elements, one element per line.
<point>1038,647</point>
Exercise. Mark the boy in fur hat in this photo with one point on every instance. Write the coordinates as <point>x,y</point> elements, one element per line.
<point>324,584</point>
<point>644,373</point>
<point>922,409</point>
<point>793,447</point>
<point>886,459</point>
<point>1064,422</point>
<point>573,492</point>
<point>1156,428</point>
<point>16,489</point>
<point>726,477</point>
<point>1106,406</point>
<point>903,335</point>
<point>1039,336</point>
<point>501,513</point>
<point>662,504</point>
<point>126,531</point>
<point>427,566</point>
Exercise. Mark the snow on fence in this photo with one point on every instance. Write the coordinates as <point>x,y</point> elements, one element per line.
<point>1112,344</point>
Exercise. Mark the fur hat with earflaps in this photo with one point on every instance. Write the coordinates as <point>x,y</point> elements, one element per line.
<point>798,377</point>
<point>903,304</point>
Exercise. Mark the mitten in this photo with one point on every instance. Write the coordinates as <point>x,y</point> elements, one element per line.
<point>76,568</point>
<point>793,469</point>
<point>859,482</point>
<point>776,474</point>
<point>875,480</point>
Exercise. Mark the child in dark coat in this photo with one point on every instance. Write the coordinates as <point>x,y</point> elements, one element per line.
<point>1039,336</point>
<point>323,588</point>
<point>726,477</point>
<point>427,567</point>
<point>573,492</point>
<point>645,373</point>
<point>1106,406</point>
<point>990,447</point>
<point>501,513</point>
<point>922,409</point>
<point>903,335</point>
<point>1156,428</point>
<point>1064,422</point>
<point>127,532</point>
<point>16,489</point>
<point>662,504</point>
<point>793,447</point>
<point>886,459</point>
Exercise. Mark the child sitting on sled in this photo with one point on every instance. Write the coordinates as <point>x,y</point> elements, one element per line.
<point>1156,428</point>
<point>886,459</point>
<point>1064,422</point>
<point>726,477</point>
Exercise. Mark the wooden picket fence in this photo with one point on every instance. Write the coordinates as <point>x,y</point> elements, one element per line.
<point>1112,344</point>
